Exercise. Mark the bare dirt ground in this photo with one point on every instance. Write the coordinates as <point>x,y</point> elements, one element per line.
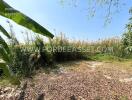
<point>82,80</point>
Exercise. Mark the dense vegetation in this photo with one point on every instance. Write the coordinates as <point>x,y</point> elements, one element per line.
<point>31,56</point>
<point>21,19</point>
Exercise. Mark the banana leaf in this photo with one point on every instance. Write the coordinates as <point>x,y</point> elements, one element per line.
<point>21,19</point>
<point>4,55</point>
<point>4,32</point>
<point>4,44</point>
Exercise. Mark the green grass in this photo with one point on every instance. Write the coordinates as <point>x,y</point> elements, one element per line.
<point>106,57</point>
<point>124,98</point>
<point>9,81</point>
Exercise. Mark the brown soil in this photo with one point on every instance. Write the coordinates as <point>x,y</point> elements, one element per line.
<point>82,80</point>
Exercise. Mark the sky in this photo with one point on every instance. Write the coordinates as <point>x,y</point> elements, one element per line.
<point>70,20</point>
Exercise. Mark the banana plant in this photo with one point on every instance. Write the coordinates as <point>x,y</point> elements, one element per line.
<point>4,52</point>
<point>21,19</point>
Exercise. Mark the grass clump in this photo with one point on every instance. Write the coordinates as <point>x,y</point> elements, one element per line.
<point>106,57</point>
<point>13,80</point>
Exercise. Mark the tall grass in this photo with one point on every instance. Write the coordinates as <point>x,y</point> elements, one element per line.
<point>63,49</point>
<point>38,53</point>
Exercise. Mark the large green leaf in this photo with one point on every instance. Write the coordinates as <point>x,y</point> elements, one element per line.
<point>4,44</point>
<point>4,55</point>
<point>21,19</point>
<point>4,32</point>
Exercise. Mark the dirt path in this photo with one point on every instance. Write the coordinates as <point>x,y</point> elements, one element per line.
<point>82,80</point>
